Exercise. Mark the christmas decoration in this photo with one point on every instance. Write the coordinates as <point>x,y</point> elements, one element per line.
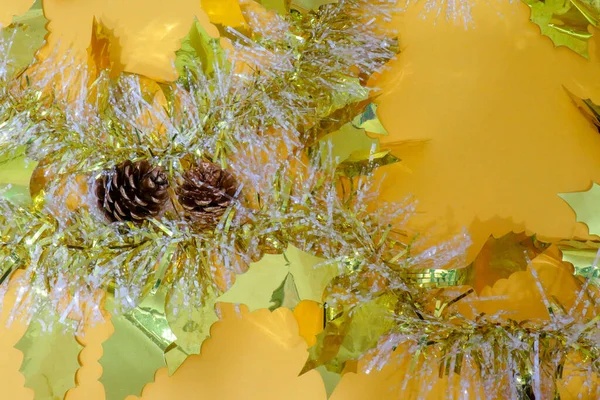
<point>205,192</point>
<point>251,137</point>
<point>132,191</point>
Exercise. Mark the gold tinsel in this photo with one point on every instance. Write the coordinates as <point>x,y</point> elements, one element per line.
<point>260,112</point>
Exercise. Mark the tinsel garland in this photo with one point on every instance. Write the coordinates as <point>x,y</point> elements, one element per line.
<point>259,112</point>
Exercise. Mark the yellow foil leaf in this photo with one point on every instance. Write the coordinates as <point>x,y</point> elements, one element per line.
<point>104,51</point>
<point>587,207</point>
<point>500,257</point>
<point>311,320</point>
<point>555,20</point>
<point>224,12</point>
<point>149,33</point>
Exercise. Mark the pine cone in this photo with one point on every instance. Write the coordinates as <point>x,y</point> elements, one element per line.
<point>205,192</point>
<point>132,191</point>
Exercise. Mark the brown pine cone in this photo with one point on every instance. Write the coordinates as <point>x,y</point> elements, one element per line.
<point>132,191</point>
<point>205,192</point>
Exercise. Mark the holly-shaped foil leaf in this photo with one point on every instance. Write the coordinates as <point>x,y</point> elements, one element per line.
<point>282,280</point>
<point>141,338</point>
<point>565,22</point>
<point>49,359</point>
<point>587,207</point>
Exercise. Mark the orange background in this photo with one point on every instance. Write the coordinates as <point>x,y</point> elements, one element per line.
<point>503,139</point>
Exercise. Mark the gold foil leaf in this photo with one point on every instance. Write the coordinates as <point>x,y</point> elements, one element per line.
<point>104,51</point>
<point>50,360</point>
<point>137,347</point>
<point>16,171</point>
<point>587,207</point>
<point>360,163</point>
<point>347,141</point>
<point>351,92</point>
<point>15,194</point>
<point>224,12</point>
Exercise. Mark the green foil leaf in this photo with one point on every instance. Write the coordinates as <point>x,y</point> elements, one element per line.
<point>565,22</point>
<point>587,207</point>
<point>266,280</point>
<point>286,295</point>
<point>190,326</point>
<point>27,32</point>
<point>50,360</point>
<point>137,347</point>
<point>199,46</point>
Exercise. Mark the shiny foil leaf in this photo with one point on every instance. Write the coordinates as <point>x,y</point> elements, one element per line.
<point>350,92</point>
<point>104,51</point>
<point>286,295</point>
<point>16,171</point>
<point>351,334</point>
<point>587,207</point>
<point>137,347</point>
<point>27,33</point>
<point>16,194</point>
<point>565,22</point>
<point>503,256</point>
<point>354,151</point>
<point>362,162</point>
<point>50,360</point>
<point>198,46</point>
<point>369,121</point>
<point>224,12</point>
<point>256,287</point>
<point>347,141</point>
<point>590,110</point>
<point>190,326</point>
